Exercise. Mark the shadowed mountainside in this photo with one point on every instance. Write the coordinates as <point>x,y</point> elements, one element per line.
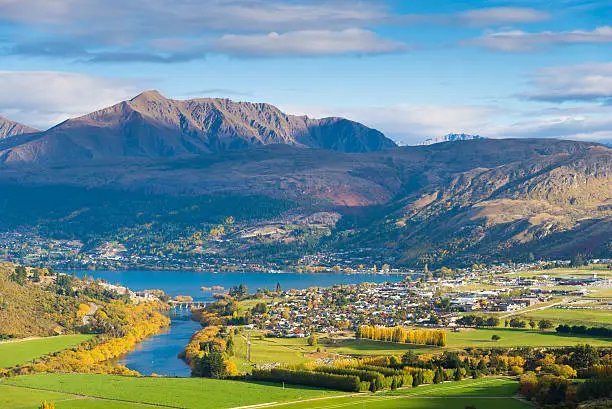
<point>453,202</point>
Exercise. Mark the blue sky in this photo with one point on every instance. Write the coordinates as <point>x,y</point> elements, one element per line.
<point>413,69</point>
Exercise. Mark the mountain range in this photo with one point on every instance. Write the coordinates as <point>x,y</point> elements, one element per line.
<point>152,126</point>
<point>156,167</point>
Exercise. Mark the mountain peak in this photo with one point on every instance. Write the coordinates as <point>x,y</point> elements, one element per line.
<point>453,137</point>
<point>152,126</point>
<point>148,95</point>
<point>10,128</point>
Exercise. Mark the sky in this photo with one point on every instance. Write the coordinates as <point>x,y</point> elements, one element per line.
<point>414,69</point>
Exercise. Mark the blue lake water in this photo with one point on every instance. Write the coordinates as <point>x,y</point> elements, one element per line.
<point>158,354</point>
<point>189,282</point>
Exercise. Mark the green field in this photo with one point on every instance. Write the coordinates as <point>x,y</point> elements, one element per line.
<point>12,397</point>
<point>71,391</point>
<point>517,337</point>
<point>483,393</point>
<point>468,338</point>
<point>265,350</point>
<point>170,392</point>
<point>295,350</point>
<point>14,353</point>
<point>573,317</point>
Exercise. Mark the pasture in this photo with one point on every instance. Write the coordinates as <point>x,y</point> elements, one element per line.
<point>590,317</point>
<point>188,393</point>
<point>19,352</point>
<point>481,393</point>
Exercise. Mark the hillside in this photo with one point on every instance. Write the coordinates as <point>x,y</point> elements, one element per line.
<point>451,203</point>
<point>10,128</point>
<point>152,126</point>
<point>26,310</point>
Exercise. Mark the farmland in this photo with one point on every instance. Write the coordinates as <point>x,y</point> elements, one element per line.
<point>296,350</point>
<point>171,392</point>
<point>14,353</point>
<point>481,393</point>
<point>99,391</point>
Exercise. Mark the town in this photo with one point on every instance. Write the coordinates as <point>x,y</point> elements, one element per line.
<point>438,302</point>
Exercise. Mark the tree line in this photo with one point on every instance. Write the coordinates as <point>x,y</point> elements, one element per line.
<point>398,334</point>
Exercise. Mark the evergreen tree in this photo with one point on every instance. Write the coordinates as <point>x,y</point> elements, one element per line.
<point>458,374</point>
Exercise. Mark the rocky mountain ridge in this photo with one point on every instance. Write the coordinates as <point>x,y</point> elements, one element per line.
<point>10,128</point>
<point>152,126</point>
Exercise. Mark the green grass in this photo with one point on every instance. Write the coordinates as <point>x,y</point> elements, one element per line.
<point>517,338</point>
<point>464,339</point>
<point>267,350</point>
<point>174,392</point>
<point>573,317</point>
<point>14,398</point>
<point>483,387</point>
<point>20,352</point>
<point>387,402</point>
<point>483,393</point>
<point>365,347</point>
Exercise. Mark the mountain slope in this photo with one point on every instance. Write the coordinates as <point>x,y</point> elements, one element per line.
<point>152,126</point>
<point>451,203</point>
<point>10,128</point>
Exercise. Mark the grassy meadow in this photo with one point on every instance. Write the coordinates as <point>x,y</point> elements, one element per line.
<point>589,317</point>
<point>19,352</point>
<point>296,350</point>
<point>71,391</point>
<point>482,393</point>
<point>188,393</point>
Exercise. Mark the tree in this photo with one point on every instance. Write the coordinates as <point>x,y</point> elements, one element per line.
<point>584,356</point>
<point>458,374</point>
<point>20,275</point>
<point>439,376</point>
<point>495,338</point>
<point>211,365</point>
<point>47,405</point>
<point>260,308</point>
<point>532,324</point>
<point>278,288</point>
<point>545,324</point>
<point>312,340</point>
<point>239,291</point>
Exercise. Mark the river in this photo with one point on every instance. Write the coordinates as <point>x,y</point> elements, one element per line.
<point>158,354</point>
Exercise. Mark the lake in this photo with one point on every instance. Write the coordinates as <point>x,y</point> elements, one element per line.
<point>190,282</point>
<point>158,354</point>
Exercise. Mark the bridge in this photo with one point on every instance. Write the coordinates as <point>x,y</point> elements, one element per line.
<point>188,305</point>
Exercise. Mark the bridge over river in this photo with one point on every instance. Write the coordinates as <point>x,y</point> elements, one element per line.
<point>188,305</point>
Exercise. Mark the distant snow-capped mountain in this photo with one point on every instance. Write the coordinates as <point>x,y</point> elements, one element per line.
<point>452,137</point>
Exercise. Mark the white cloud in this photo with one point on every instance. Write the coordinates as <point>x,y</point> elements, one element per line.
<point>521,41</point>
<point>45,98</point>
<point>307,43</point>
<point>591,82</point>
<point>125,18</point>
<point>591,128</point>
<point>497,16</point>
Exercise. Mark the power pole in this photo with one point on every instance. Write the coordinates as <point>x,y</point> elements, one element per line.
<point>248,346</point>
